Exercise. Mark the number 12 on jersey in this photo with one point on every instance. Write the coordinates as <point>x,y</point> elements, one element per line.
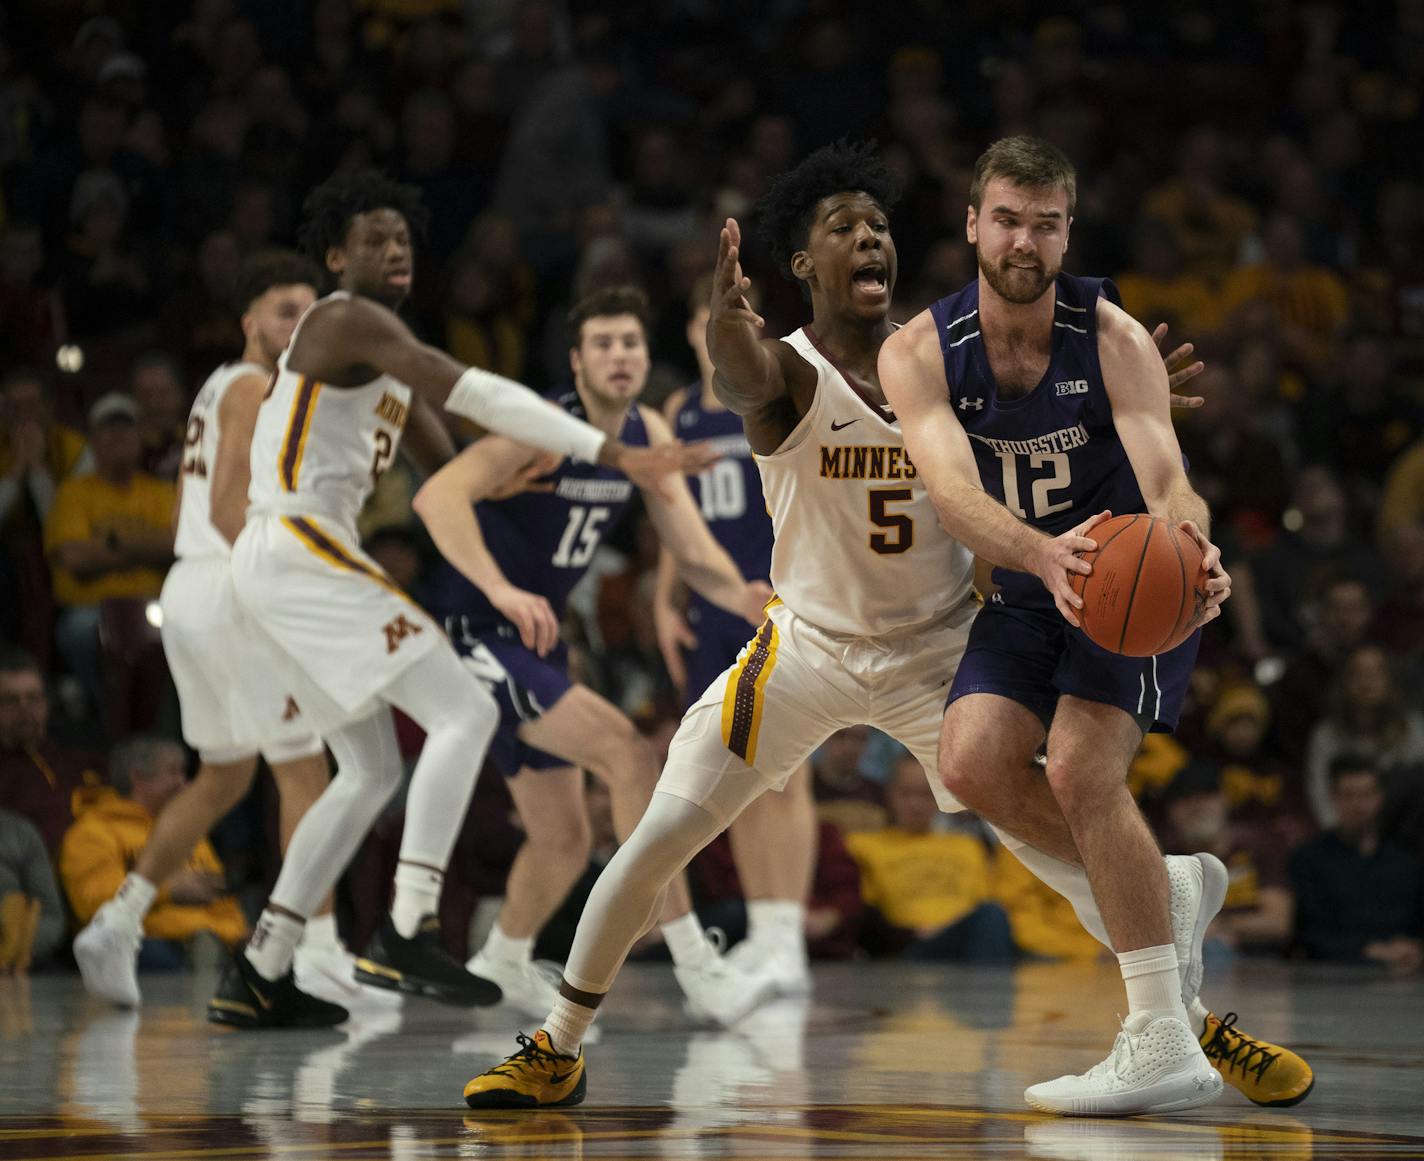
<point>1043,502</point>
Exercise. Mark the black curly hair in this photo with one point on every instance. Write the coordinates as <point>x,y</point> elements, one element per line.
<point>330,207</point>
<point>787,209</point>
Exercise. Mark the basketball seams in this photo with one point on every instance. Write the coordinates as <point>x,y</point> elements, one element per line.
<point>1183,605</point>
<point>1136,577</point>
<point>1087,580</point>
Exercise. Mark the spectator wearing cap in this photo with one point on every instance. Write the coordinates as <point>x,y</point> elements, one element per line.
<point>1256,915</point>
<point>105,840</point>
<point>108,535</point>
<point>40,779</point>
<point>1357,896</point>
<point>1258,786</point>
<point>104,283</point>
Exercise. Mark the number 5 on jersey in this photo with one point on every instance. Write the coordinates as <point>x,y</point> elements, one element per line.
<point>900,536</point>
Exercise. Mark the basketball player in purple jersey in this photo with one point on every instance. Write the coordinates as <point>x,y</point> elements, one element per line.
<point>872,610</point>
<point>774,839</point>
<point>511,566</point>
<point>1033,407</point>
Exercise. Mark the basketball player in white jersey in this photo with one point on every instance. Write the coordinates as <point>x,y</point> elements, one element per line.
<point>773,842</point>
<point>346,387</point>
<point>875,601</point>
<point>233,706</point>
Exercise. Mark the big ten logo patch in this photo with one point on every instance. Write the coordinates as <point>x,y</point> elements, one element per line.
<point>398,630</point>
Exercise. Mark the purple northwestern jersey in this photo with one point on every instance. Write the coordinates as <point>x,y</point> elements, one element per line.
<point>544,541</point>
<point>1053,457</point>
<point>729,495</point>
<point>729,492</point>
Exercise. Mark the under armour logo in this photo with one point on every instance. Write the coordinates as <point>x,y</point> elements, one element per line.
<point>291,711</point>
<point>397,631</point>
<point>971,405</point>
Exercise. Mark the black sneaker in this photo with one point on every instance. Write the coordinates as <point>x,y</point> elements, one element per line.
<point>245,999</point>
<point>422,966</point>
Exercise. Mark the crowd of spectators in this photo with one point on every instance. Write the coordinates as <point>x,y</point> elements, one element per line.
<point>1249,175</point>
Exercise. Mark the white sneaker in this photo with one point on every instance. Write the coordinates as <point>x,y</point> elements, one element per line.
<point>1156,1066</point>
<point>107,953</point>
<point>528,987</point>
<point>328,972</point>
<point>1086,1140</point>
<point>1197,888</point>
<point>784,964</point>
<point>720,991</point>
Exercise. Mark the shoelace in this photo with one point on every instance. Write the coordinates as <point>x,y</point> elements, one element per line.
<point>529,1054</point>
<point>1237,1049</point>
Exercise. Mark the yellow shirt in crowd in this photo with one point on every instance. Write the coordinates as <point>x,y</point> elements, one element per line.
<point>921,881</point>
<point>102,847</point>
<point>86,507</point>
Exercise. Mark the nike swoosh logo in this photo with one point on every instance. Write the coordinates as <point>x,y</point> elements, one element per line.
<point>260,998</point>
<point>837,426</point>
<point>559,1078</point>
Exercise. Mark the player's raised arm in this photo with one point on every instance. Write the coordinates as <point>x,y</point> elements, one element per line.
<point>912,376</point>
<point>704,565</point>
<point>347,332</point>
<point>749,374</point>
<point>1136,382</point>
<point>446,504</point>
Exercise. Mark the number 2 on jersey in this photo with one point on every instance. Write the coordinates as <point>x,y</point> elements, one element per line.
<point>1043,504</point>
<point>581,537</point>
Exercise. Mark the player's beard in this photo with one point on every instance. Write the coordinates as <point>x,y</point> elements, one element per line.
<point>1016,284</point>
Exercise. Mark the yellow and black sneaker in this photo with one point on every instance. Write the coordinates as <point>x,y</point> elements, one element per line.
<point>246,999</point>
<point>1266,1073</point>
<point>422,966</point>
<point>534,1077</point>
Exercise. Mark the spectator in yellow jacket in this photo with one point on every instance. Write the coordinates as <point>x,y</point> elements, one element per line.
<point>105,841</point>
<point>927,891</point>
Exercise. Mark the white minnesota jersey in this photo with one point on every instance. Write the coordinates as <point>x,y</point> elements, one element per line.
<point>197,535</point>
<point>858,547</point>
<point>320,449</point>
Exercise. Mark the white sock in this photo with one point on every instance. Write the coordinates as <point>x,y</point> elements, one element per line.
<point>1153,984</point>
<point>686,940</point>
<point>321,932</point>
<point>776,922</point>
<point>133,899</point>
<point>506,947</point>
<point>273,944</point>
<point>1198,1014</point>
<point>417,895</point>
<point>567,1024</point>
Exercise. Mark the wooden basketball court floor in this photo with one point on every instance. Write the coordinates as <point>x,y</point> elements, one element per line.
<point>886,1061</point>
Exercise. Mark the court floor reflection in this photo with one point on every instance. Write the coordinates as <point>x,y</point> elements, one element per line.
<point>885,1061</point>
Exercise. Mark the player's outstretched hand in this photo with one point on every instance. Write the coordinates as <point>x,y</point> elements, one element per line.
<point>649,467</point>
<point>1181,368</point>
<point>1060,558</point>
<point>529,478</point>
<point>673,637</point>
<point>1218,582</point>
<point>729,285</point>
<point>754,604</point>
<point>531,614</point>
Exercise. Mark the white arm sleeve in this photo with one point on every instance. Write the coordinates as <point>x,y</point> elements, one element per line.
<point>510,409</point>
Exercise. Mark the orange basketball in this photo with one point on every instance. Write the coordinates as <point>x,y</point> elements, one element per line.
<point>1146,588</point>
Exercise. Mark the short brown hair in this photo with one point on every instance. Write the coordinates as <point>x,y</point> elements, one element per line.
<point>1028,161</point>
<point>611,300</point>
<point>275,267</point>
